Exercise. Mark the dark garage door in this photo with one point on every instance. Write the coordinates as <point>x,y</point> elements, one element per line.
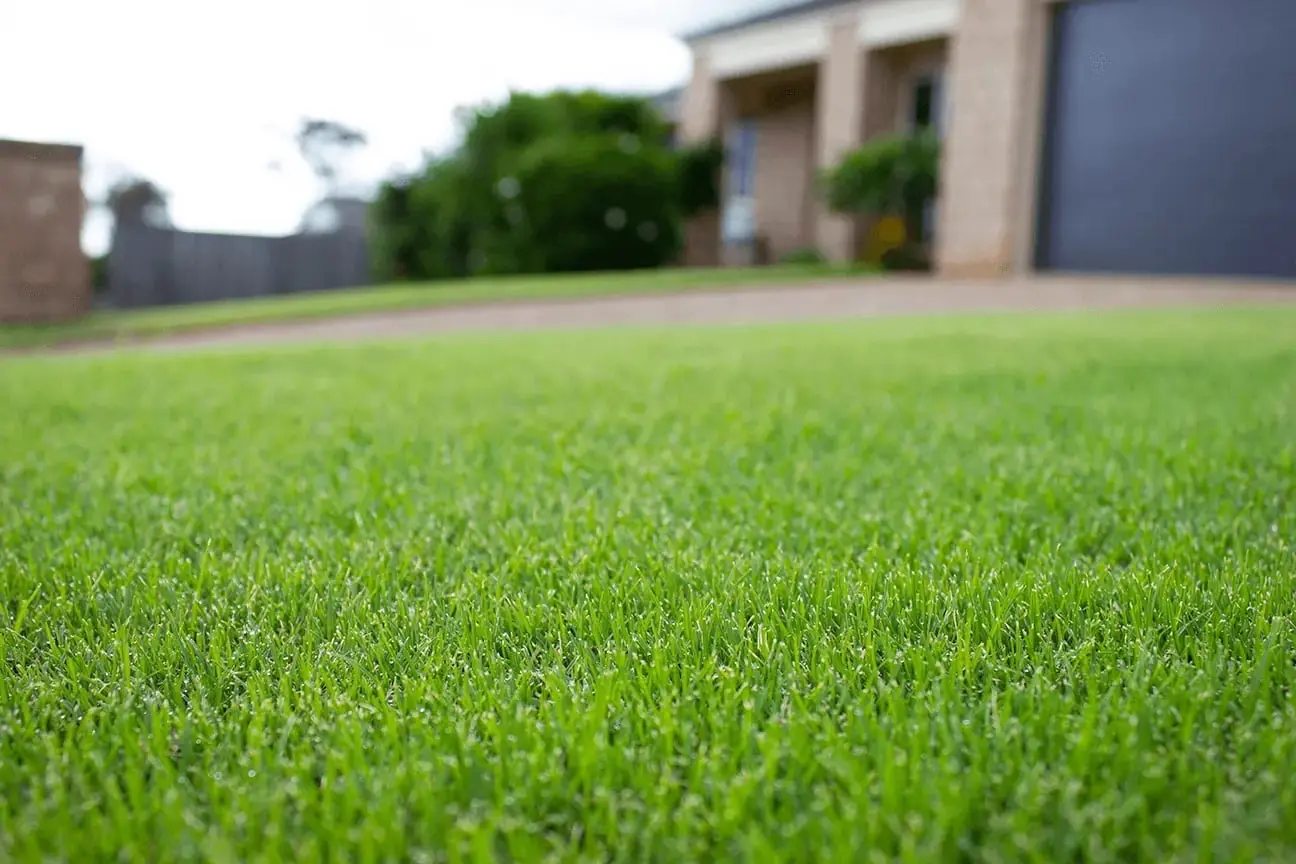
<point>1170,142</point>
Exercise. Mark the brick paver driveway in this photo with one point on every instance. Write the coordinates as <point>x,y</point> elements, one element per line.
<point>864,297</point>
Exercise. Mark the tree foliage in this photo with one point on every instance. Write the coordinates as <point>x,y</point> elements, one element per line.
<point>632,222</point>
<point>564,181</point>
<point>414,231</point>
<point>325,144</point>
<point>135,200</point>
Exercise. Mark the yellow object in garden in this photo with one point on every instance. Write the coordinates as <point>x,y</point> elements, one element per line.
<point>889,233</point>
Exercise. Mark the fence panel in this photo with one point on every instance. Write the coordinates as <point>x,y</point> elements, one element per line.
<point>157,267</point>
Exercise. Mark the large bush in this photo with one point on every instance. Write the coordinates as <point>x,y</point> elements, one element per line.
<point>698,170</point>
<point>539,184</point>
<point>595,203</point>
<point>416,230</point>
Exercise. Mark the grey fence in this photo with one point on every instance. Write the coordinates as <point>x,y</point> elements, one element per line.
<point>159,267</point>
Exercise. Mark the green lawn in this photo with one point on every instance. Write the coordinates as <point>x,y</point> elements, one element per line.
<point>1013,588</point>
<point>110,325</point>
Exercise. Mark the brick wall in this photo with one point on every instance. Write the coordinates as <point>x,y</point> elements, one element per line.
<point>840,114</point>
<point>702,115</point>
<point>44,275</point>
<point>783,190</point>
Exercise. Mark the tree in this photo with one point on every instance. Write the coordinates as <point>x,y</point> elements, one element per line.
<point>135,200</point>
<point>325,144</point>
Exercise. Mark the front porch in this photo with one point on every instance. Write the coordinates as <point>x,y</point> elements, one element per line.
<point>787,115</point>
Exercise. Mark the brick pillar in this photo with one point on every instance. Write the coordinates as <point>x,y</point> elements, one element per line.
<point>702,110</point>
<point>987,176</point>
<point>839,127</point>
<point>44,275</point>
<point>881,104</point>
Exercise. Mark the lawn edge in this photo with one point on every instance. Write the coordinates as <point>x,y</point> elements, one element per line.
<point>129,338</point>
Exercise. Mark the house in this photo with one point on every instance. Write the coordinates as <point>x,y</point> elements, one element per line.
<point>44,274</point>
<point>1110,136</point>
<point>336,213</point>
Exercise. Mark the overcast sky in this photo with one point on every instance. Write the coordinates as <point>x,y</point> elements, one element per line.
<point>203,97</point>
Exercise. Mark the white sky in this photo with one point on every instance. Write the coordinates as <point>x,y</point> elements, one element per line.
<point>203,97</point>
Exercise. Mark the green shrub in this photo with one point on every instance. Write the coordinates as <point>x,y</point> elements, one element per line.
<point>591,203</point>
<point>699,167</point>
<point>908,257</point>
<point>417,229</point>
<point>804,255</point>
<point>391,230</point>
<point>531,188</point>
<point>591,112</point>
<point>893,175</point>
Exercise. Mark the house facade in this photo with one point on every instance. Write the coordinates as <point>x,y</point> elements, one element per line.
<point>1120,136</point>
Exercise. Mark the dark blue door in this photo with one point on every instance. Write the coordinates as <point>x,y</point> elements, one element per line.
<point>1170,144</point>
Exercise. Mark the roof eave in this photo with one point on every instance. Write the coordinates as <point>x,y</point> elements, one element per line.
<point>804,7</point>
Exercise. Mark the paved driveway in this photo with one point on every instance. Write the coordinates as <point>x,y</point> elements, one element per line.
<point>858,298</point>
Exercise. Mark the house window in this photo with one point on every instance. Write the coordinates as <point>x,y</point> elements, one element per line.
<point>923,96</point>
<point>742,159</point>
<point>926,107</point>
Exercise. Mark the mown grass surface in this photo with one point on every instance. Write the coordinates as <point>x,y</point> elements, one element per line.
<point>131,325</point>
<point>1018,588</point>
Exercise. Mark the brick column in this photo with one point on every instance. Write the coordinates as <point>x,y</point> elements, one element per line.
<point>987,176</point>
<point>839,127</point>
<point>44,275</point>
<point>702,117</point>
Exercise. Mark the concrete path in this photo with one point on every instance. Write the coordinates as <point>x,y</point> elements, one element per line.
<point>865,297</point>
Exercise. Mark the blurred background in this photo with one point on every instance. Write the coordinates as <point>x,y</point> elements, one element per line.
<point>206,100</point>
